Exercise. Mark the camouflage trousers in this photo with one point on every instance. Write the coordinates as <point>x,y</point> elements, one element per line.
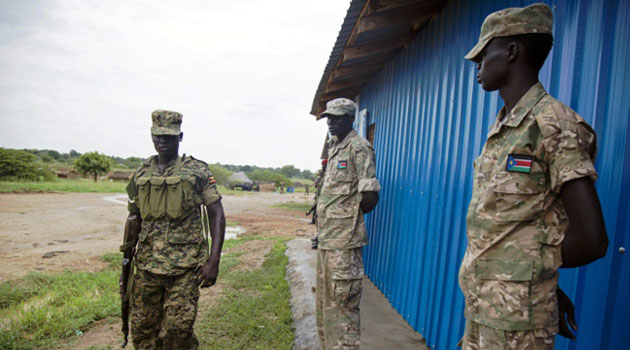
<point>163,311</point>
<point>339,287</point>
<point>479,337</point>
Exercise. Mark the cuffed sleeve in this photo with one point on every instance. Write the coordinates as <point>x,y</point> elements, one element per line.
<point>366,170</point>
<point>208,188</point>
<point>570,153</point>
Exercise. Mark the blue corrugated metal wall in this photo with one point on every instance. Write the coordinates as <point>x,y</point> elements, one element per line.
<point>431,122</point>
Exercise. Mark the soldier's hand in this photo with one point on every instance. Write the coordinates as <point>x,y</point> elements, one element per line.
<point>207,275</point>
<point>566,311</point>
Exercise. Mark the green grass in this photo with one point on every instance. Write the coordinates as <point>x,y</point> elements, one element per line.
<point>298,206</point>
<point>63,185</point>
<point>40,309</point>
<point>254,312</point>
<point>79,185</point>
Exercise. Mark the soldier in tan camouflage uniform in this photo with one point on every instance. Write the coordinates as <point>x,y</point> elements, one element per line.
<point>349,190</point>
<point>167,194</point>
<point>534,176</point>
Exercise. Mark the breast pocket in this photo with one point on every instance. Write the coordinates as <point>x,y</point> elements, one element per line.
<point>341,183</point>
<point>504,290</point>
<point>518,196</point>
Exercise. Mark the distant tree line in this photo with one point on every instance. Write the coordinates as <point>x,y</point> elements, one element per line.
<point>39,165</point>
<point>222,172</point>
<point>288,171</point>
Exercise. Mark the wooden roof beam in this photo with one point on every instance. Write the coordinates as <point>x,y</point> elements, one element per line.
<point>384,5</point>
<point>398,15</point>
<point>376,47</point>
<point>347,84</point>
<point>343,72</point>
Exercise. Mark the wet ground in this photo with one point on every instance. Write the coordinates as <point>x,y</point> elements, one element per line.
<point>381,326</point>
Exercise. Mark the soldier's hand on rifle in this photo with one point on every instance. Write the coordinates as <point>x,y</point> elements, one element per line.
<point>207,274</point>
<point>566,311</point>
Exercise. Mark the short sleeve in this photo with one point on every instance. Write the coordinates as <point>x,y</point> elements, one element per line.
<point>208,187</point>
<point>132,193</point>
<point>366,170</point>
<point>570,153</point>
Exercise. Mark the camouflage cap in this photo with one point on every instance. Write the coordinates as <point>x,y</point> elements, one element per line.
<point>536,18</point>
<point>166,122</point>
<point>338,107</point>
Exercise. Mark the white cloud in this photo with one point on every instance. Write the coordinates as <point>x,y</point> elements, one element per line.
<point>86,75</point>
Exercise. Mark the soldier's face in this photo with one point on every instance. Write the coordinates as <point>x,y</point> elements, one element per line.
<point>166,145</point>
<point>493,69</point>
<point>339,125</point>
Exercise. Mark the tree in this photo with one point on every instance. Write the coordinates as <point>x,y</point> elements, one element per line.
<point>93,163</point>
<point>290,171</point>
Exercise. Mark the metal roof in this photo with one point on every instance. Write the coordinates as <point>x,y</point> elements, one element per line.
<point>372,33</point>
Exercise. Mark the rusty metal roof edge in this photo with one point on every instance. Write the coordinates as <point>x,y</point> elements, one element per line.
<point>354,11</point>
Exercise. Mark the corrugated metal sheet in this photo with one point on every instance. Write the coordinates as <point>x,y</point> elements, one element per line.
<point>431,122</point>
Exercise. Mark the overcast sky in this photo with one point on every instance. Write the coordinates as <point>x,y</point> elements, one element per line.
<point>85,75</point>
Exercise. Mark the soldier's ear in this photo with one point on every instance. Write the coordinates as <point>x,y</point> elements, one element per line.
<point>512,51</point>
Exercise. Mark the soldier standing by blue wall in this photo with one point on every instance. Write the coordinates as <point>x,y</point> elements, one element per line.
<point>167,195</point>
<point>349,190</point>
<point>534,207</point>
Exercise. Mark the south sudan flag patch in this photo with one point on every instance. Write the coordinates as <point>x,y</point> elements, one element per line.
<point>519,163</point>
<point>342,164</point>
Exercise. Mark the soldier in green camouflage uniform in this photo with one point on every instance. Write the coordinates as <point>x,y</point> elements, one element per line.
<point>349,190</point>
<point>167,193</point>
<point>534,175</point>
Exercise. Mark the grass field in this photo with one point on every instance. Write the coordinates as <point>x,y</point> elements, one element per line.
<point>298,206</point>
<point>254,311</point>
<point>79,185</point>
<point>63,185</point>
<point>41,311</point>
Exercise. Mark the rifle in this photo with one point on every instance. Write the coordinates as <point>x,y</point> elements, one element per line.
<point>132,229</point>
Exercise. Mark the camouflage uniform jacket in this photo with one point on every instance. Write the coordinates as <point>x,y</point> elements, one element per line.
<point>167,245</point>
<point>350,170</point>
<point>516,221</point>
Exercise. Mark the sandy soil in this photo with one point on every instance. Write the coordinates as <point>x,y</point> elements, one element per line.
<point>52,232</point>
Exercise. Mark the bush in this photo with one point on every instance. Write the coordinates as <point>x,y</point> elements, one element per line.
<point>21,165</point>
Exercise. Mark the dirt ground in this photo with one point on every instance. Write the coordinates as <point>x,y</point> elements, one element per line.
<point>52,232</point>
<point>70,231</point>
